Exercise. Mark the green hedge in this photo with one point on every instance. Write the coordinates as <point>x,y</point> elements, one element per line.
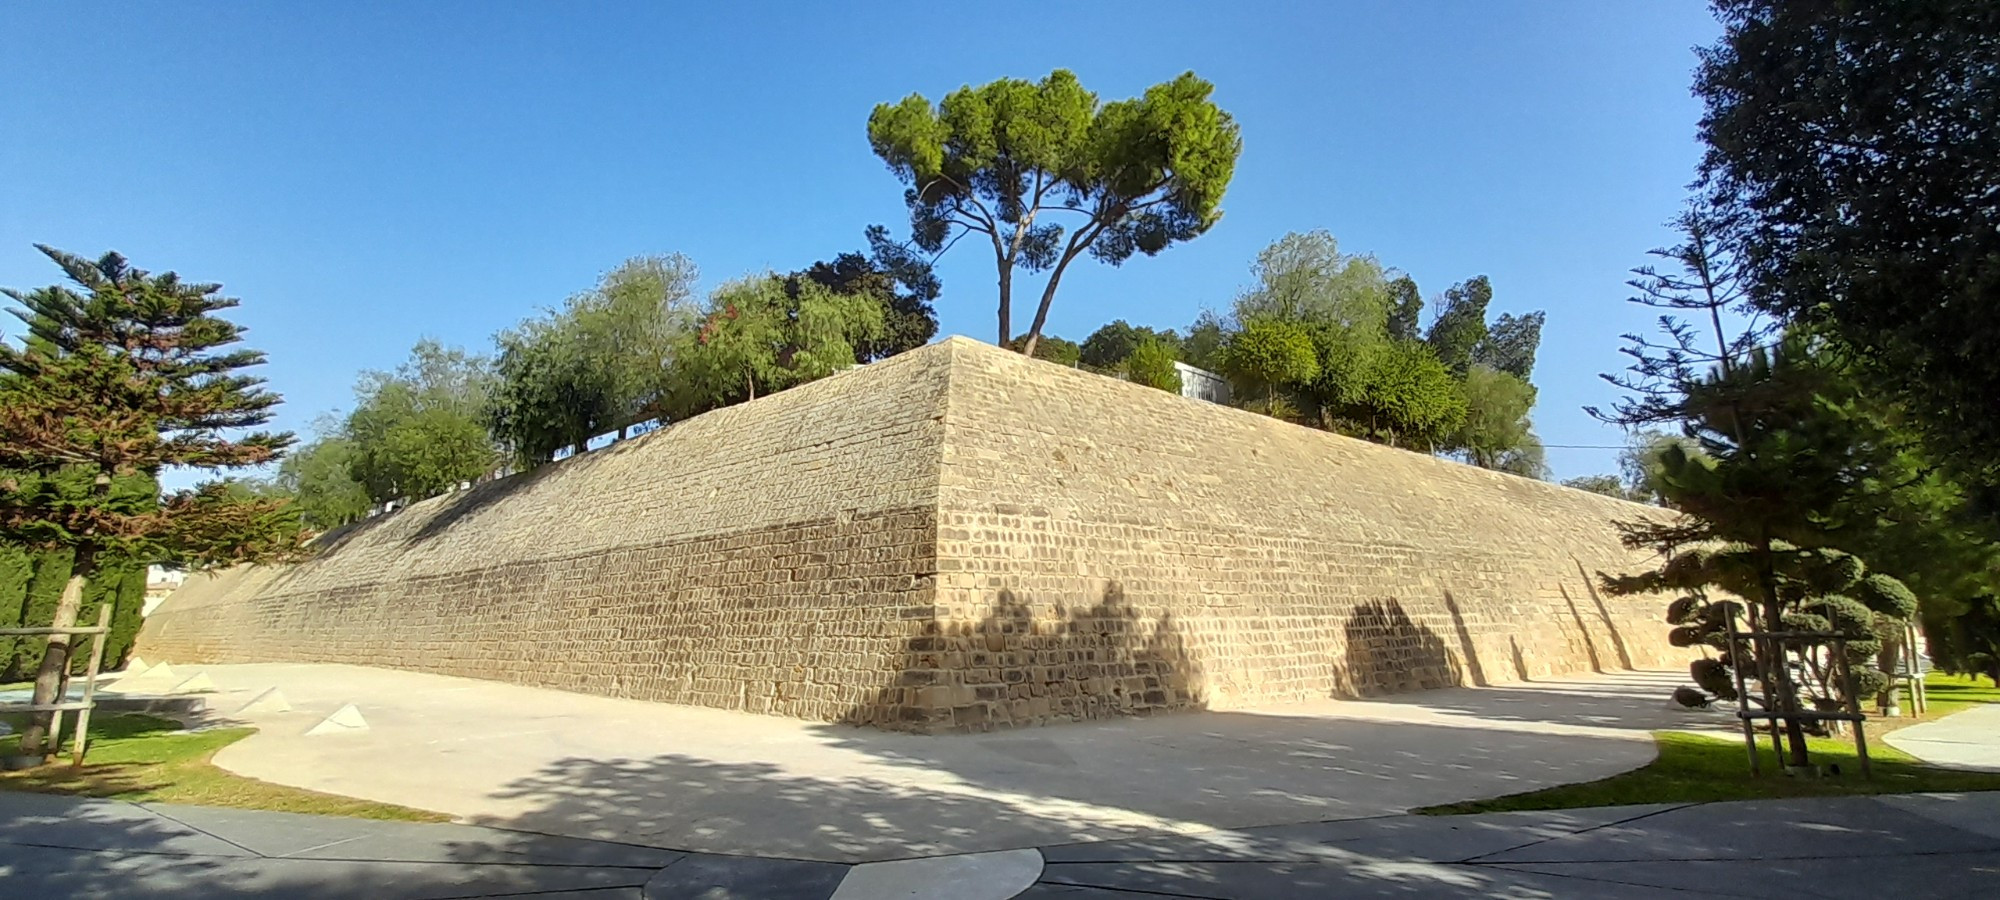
<point>31,584</point>
<point>15,568</point>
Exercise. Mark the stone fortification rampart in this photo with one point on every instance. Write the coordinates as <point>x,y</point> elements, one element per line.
<point>960,538</point>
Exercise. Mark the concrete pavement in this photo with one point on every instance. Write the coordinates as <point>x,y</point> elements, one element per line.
<point>1968,739</point>
<point>726,782</point>
<point>1941,846</point>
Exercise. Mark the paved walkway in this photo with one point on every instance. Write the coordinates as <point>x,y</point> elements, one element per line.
<point>1935,846</point>
<point>731,783</point>
<point>1968,739</point>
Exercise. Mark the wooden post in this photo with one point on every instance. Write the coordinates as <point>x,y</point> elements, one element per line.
<point>97,642</point>
<point>1764,665</point>
<point>1742,698</point>
<point>1919,696</point>
<point>54,742</point>
<point>1853,704</point>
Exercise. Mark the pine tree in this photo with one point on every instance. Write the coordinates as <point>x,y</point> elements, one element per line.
<point>124,373</point>
<point>1778,451</point>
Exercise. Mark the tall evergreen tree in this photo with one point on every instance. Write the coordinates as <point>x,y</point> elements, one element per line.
<point>1510,344</point>
<point>900,281</point>
<point>1856,145</point>
<point>125,373</point>
<point>1787,478</point>
<point>1460,324</point>
<point>1406,309</point>
<point>17,565</point>
<point>1783,455</point>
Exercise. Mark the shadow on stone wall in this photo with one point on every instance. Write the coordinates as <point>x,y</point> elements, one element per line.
<point>463,504</point>
<point>1468,651</point>
<point>1028,663</point>
<point>1388,653</point>
<point>1604,613</point>
<point>457,506</point>
<point>1583,631</point>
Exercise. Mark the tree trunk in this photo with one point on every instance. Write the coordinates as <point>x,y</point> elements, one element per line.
<point>1007,305</point>
<point>1788,693</point>
<point>1049,296</point>
<point>53,675</point>
<point>1888,660</point>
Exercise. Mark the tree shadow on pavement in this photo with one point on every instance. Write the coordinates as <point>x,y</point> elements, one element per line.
<point>1638,701</point>
<point>847,793</point>
<point>54,846</point>
<point>1060,784</point>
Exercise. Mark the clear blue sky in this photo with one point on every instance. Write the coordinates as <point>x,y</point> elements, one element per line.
<point>364,175</point>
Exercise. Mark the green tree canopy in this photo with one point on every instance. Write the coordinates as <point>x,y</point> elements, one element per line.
<point>901,282</point>
<point>1151,363</point>
<point>1608,485</point>
<point>1510,344</point>
<point>1138,175</point>
<point>1268,353</point>
<point>1460,326</point>
<point>1051,348</point>
<point>1305,278</point>
<point>1406,309</point>
<point>1372,376</point>
<point>1404,397</point>
<point>319,478</point>
<point>765,334</point>
<point>1109,347</point>
<point>1202,348</point>
<point>420,430</point>
<point>1854,146</point>
<point>597,365</point>
<point>1496,418</point>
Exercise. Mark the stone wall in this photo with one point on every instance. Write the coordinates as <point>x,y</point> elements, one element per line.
<point>772,557</point>
<point>1105,548</point>
<point>960,538</point>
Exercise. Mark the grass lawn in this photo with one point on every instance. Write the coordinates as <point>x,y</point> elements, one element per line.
<point>1948,694</point>
<point>146,758</point>
<point>1694,768</point>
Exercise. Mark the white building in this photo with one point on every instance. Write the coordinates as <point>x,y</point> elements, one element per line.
<point>1201,384</point>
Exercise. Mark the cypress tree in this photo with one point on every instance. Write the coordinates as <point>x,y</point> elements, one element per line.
<point>126,617</point>
<point>15,569</point>
<point>103,588</point>
<point>49,572</point>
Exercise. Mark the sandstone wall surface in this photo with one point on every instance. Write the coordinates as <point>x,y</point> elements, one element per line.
<point>771,557</point>
<point>959,539</point>
<point>1107,549</point>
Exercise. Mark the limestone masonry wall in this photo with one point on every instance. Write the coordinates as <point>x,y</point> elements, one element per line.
<point>773,557</point>
<point>960,538</point>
